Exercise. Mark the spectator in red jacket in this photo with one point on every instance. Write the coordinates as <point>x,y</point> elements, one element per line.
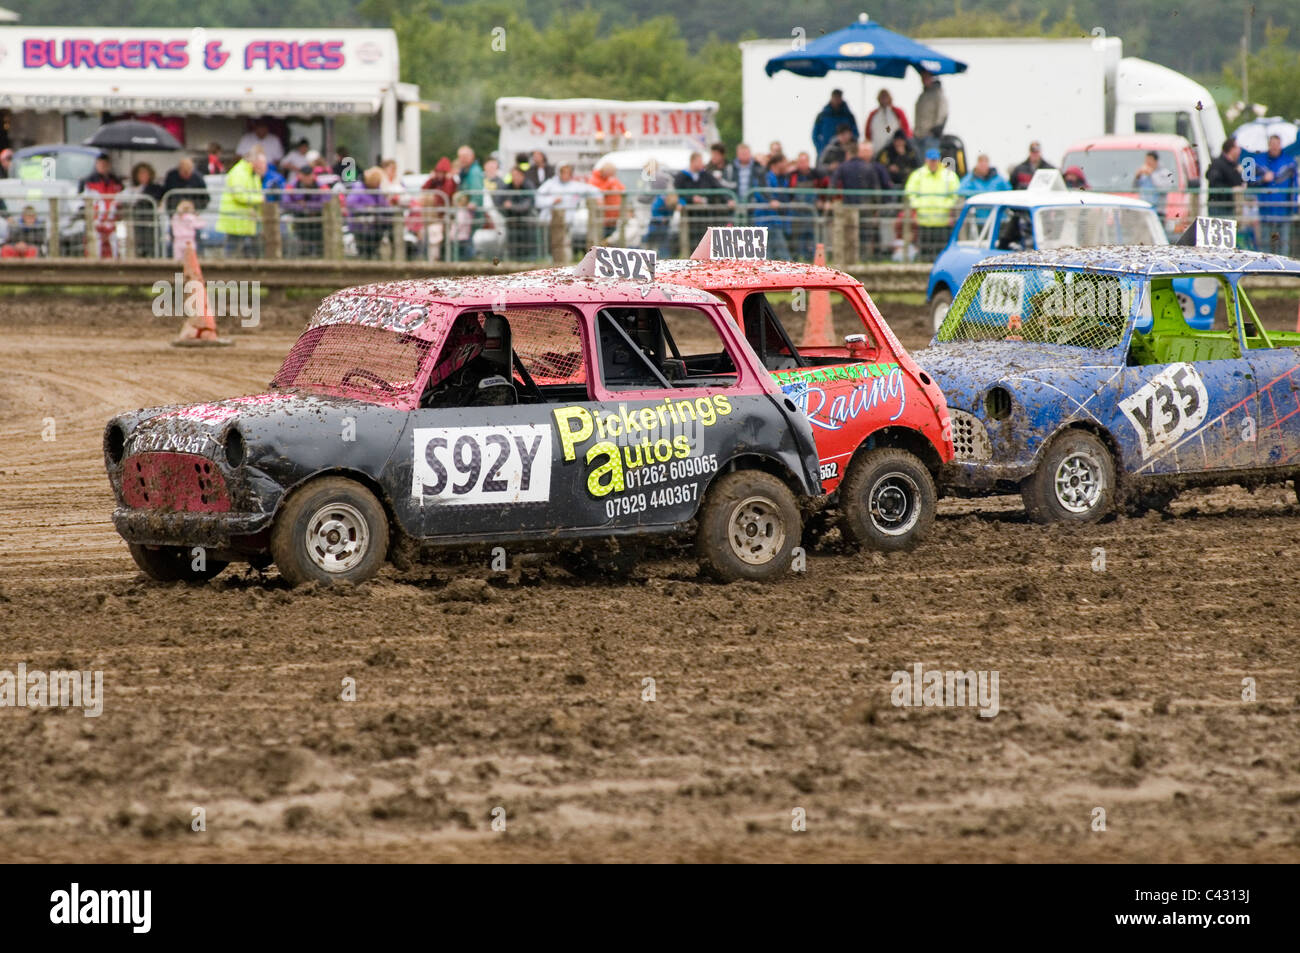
<point>103,182</point>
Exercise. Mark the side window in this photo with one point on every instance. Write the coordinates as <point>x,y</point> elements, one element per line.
<point>1185,319</point>
<point>1016,233</point>
<point>976,229</point>
<point>816,315</point>
<point>1166,123</point>
<point>515,356</point>
<point>656,348</point>
<point>1270,307</point>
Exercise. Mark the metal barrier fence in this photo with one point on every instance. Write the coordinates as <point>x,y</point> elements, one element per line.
<point>547,225</point>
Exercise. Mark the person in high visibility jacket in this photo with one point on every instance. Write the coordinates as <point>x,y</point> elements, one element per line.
<point>933,192</point>
<point>241,205</point>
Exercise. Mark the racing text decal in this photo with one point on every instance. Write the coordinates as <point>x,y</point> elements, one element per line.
<point>504,464</point>
<point>878,385</point>
<point>1165,408</point>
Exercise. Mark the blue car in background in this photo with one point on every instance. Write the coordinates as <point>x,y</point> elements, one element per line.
<point>1074,377</point>
<point>1044,217</point>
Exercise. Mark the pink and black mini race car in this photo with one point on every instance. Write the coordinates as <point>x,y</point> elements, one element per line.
<point>480,411</point>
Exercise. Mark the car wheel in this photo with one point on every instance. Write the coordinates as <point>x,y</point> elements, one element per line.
<point>331,531</point>
<point>749,526</point>
<point>173,563</point>
<point>939,305</point>
<point>887,500</point>
<point>1074,482</point>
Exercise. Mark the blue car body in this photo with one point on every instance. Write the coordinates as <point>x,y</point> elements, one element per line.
<point>985,221</point>
<point>1173,405</point>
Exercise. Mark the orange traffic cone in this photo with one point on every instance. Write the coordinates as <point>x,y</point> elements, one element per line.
<point>817,329</point>
<point>200,327</point>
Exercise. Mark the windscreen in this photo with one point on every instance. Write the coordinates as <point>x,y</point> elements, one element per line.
<point>1113,170</point>
<point>354,361</point>
<point>1042,306</point>
<point>1087,225</point>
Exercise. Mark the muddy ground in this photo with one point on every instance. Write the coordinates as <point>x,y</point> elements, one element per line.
<point>1119,689</point>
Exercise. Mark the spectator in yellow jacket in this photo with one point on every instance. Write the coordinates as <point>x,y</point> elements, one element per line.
<point>241,205</point>
<point>933,193</point>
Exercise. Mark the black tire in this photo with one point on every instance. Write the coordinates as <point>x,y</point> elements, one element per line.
<point>939,305</point>
<point>887,501</point>
<point>749,526</point>
<point>333,530</point>
<point>173,563</point>
<point>1086,475</point>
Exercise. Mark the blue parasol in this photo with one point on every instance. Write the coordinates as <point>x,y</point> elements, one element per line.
<point>864,47</point>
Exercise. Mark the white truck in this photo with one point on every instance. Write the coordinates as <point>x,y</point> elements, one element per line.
<point>1015,89</point>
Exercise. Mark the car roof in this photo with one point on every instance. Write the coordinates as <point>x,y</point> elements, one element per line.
<point>748,273</point>
<point>1047,198</point>
<point>558,285</point>
<point>1140,140</point>
<point>1147,260</point>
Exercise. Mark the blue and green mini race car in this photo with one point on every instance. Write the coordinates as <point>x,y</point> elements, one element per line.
<point>1074,377</point>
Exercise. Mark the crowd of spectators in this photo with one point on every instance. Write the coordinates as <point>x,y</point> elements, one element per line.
<point>898,177</point>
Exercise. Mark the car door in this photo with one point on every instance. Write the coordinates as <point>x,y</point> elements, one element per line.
<point>677,399</point>
<point>1273,346</point>
<point>845,389</point>
<point>1188,403</point>
<point>487,465</point>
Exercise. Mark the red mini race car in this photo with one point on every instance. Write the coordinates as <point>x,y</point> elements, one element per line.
<point>880,422</point>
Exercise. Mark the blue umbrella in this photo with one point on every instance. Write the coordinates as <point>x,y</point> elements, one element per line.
<point>864,47</point>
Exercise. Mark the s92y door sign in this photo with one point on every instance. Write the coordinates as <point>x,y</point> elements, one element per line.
<point>1166,408</point>
<point>630,264</point>
<point>503,464</point>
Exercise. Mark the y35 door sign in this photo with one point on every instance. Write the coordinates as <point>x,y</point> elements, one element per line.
<point>1167,407</point>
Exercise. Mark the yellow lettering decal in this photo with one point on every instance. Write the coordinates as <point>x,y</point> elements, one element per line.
<point>613,467</point>
<point>571,436</point>
<point>721,402</point>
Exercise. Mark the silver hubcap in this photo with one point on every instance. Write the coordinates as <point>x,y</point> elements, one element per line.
<point>1079,482</point>
<point>893,504</point>
<point>337,537</point>
<point>756,530</point>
